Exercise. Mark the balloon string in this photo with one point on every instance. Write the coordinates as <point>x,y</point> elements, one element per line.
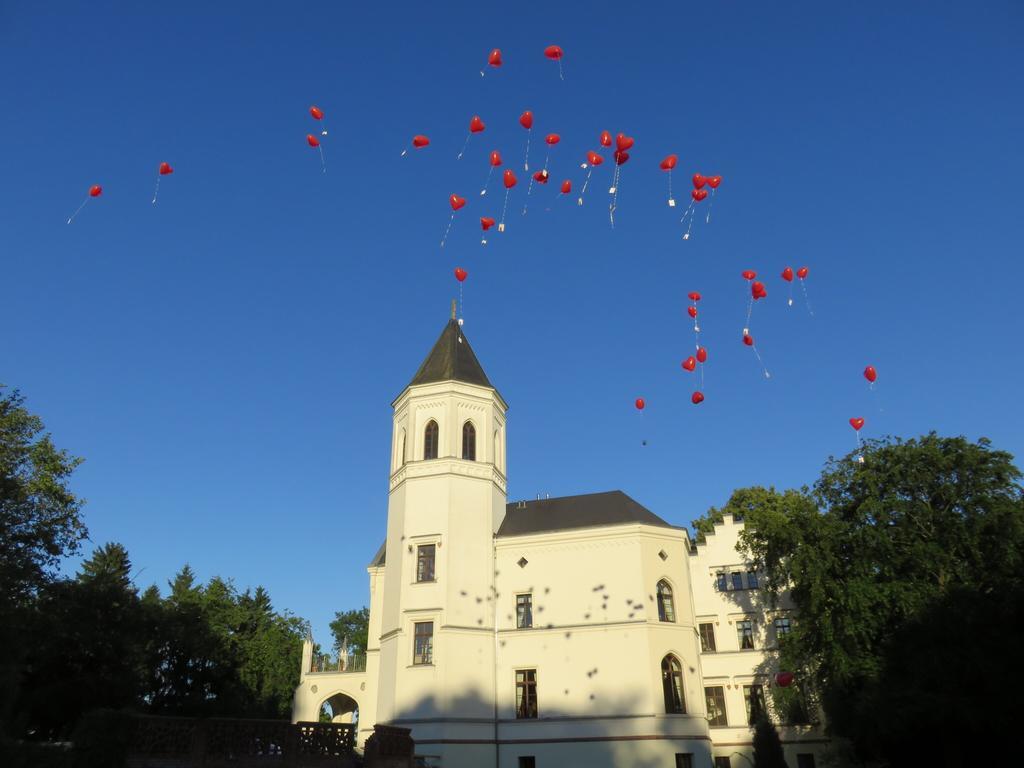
<point>323,163</point>
<point>807,301</point>
<point>750,309</point>
<point>462,312</point>
<point>526,159</point>
<point>448,229</point>
<point>529,189</point>
<point>687,212</point>
<point>501,225</point>
<point>489,172</point>
<point>157,190</point>
<point>78,209</point>
<point>323,126</point>
<point>708,219</point>
<point>791,293</point>
<point>670,200</point>
<point>561,74</point>
<point>615,196</point>
<point>464,145</point>
<point>761,362</point>
<point>585,182</point>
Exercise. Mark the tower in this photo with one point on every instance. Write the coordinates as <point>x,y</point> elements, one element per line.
<point>446,501</point>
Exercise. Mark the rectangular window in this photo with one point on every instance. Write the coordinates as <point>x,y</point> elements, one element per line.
<point>781,628</point>
<point>423,642</point>
<point>753,697</point>
<point>526,694</point>
<point>715,696</point>
<point>723,762</point>
<point>527,761</point>
<point>684,760</point>
<point>752,580</point>
<point>720,581</point>
<point>707,638</point>
<point>805,760</point>
<point>524,611</point>
<point>737,580</point>
<point>425,562</point>
<point>745,634</point>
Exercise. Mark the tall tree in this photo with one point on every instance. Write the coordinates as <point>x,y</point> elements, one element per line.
<point>875,546</point>
<point>86,652</point>
<point>40,523</point>
<point>352,627</point>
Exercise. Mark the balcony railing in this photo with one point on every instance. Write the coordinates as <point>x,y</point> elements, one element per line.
<point>355,662</point>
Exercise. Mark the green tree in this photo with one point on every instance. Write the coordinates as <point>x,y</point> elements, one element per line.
<point>40,523</point>
<point>353,627</point>
<point>875,546</point>
<point>86,652</point>
<point>767,746</point>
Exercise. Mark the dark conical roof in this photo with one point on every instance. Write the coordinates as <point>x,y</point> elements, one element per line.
<point>451,359</point>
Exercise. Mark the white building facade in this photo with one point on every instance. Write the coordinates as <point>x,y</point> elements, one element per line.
<point>582,630</point>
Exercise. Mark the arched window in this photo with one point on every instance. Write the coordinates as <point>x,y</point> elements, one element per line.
<point>469,441</point>
<point>401,449</point>
<point>666,611</point>
<point>672,683</point>
<point>430,440</point>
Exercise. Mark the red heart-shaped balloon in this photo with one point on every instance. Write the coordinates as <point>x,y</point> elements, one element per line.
<point>757,290</point>
<point>802,272</point>
<point>495,158</point>
<point>693,296</point>
<point>623,142</point>
<point>857,423</point>
<point>697,398</point>
<point>748,339</point>
<point>669,162</point>
<point>461,274</point>
<point>420,141</point>
<point>606,139</point>
<point>553,52</point>
<point>640,404</point>
<point>691,311</point>
<point>748,274</point>
<point>495,58</point>
<point>566,187</point>
<point>476,124</point>
<point>594,159</point>
<point>486,222</point>
<point>870,373</point>
<point>509,178</point>
<point>713,181</point>
<point>698,181</point>
<point>526,119</point>
<point>312,140</point>
<point>317,113</point>
<point>784,679</point>
<point>541,177</point>
<point>621,158</point>
<point>456,202</point>
<point>95,191</point>
<point>689,363</point>
<point>698,194</point>
<point>702,355</point>
<point>165,169</point>
<point>552,138</point>
<point>787,274</point>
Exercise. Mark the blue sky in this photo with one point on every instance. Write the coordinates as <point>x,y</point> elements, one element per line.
<point>225,360</point>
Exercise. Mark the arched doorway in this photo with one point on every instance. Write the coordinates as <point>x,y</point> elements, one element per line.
<point>339,708</point>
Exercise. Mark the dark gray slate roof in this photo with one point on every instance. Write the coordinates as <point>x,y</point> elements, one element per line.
<point>380,557</point>
<point>589,510</point>
<point>451,359</point>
